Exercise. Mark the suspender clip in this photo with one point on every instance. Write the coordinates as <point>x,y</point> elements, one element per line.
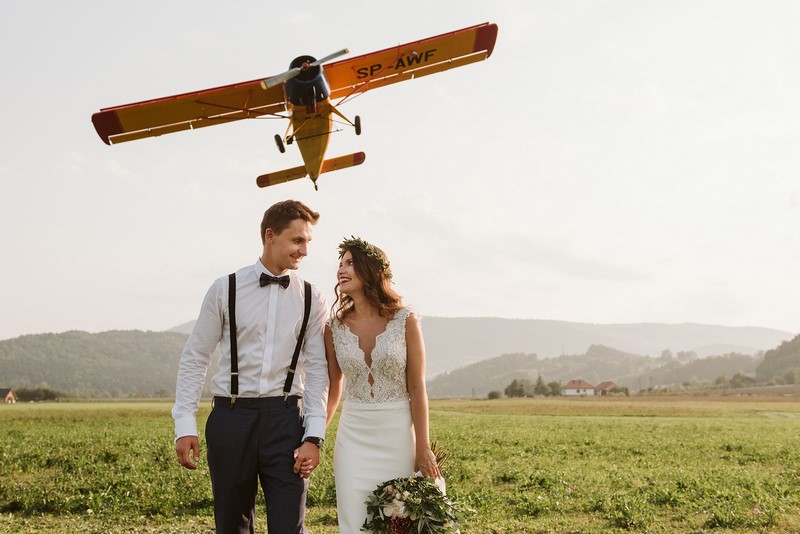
<point>233,401</point>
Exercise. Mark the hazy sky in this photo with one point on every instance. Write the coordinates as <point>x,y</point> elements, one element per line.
<point>612,162</point>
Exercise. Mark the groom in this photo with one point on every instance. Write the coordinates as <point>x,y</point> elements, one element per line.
<point>267,423</point>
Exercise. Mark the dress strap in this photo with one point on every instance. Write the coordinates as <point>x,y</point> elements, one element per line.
<point>402,314</point>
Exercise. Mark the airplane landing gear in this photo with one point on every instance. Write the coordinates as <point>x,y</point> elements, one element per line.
<point>357,125</point>
<point>279,142</point>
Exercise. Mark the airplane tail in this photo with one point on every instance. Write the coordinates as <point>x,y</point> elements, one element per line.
<point>341,162</point>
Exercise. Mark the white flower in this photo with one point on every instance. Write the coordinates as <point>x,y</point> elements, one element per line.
<point>390,510</point>
<point>401,508</point>
<point>395,509</point>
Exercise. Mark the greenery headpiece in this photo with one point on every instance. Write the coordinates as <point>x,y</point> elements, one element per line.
<point>369,251</point>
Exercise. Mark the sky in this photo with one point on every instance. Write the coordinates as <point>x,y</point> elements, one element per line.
<point>612,162</point>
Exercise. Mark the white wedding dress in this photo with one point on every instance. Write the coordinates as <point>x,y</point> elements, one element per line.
<point>375,441</point>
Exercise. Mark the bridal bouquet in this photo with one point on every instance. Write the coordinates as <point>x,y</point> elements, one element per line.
<point>412,505</point>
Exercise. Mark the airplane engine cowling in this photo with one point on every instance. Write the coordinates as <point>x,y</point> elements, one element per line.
<point>309,84</point>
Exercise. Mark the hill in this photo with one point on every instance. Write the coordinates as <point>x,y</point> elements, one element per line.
<point>780,360</point>
<point>117,363</point>
<point>455,342</point>
<point>133,362</point>
<point>599,363</point>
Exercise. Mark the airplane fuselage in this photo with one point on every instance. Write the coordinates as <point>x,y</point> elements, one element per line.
<point>308,98</point>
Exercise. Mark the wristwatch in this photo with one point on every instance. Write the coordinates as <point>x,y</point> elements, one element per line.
<point>316,441</point>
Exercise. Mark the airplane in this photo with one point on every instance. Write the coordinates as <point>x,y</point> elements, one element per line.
<point>303,94</point>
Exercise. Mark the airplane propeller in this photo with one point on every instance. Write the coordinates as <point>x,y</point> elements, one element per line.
<point>291,73</point>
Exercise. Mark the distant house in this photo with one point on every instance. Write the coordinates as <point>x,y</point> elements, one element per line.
<point>575,388</point>
<point>603,388</point>
<point>7,396</point>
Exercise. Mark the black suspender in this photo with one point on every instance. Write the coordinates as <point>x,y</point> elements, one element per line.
<point>234,351</point>
<point>287,387</point>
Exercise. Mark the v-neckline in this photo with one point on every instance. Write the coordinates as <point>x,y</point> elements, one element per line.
<point>374,346</point>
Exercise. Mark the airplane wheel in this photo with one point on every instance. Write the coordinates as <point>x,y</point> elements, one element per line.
<point>358,125</point>
<point>279,142</point>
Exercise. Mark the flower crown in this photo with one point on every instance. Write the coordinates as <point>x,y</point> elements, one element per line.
<point>369,251</point>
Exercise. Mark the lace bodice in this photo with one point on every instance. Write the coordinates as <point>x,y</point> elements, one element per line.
<point>388,369</point>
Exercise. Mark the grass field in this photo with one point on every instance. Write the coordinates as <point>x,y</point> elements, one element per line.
<point>635,464</point>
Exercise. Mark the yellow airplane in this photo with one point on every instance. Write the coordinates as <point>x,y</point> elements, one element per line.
<point>303,95</point>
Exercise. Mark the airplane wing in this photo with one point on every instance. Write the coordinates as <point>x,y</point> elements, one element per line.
<point>404,62</point>
<point>187,111</point>
<point>249,100</point>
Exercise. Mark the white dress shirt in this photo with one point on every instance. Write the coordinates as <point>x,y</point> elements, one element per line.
<point>268,322</point>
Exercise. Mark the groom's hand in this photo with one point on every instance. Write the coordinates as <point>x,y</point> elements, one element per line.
<point>306,459</point>
<point>188,449</point>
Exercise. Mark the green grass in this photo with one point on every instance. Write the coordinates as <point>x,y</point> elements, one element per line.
<point>554,465</point>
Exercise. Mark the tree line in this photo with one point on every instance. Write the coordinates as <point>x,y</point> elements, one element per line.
<point>526,388</point>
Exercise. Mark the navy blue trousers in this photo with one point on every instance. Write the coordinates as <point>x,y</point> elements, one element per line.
<point>251,443</point>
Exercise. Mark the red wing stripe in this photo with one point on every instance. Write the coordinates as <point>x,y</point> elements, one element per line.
<point>106,124</point>
<point>485,39</point>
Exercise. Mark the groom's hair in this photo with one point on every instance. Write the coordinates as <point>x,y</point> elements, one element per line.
<point>281,214</point>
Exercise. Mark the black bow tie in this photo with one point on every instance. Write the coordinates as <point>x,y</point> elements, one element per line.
<point>266,280</point>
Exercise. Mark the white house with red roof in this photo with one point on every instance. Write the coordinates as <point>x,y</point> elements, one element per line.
<point>577,388</point>
<point>603,388</point>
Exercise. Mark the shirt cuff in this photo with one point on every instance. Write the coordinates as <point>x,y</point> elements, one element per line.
<point>315,427</point>
<point>185,426</point>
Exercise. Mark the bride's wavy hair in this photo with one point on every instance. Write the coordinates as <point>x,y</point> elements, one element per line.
<point>375,275</point>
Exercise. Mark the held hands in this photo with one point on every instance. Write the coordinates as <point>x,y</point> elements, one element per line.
<point>188,449</point>
<point>306,456</point>
<point>306,459</point>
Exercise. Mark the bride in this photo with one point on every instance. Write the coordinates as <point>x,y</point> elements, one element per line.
<point>376,344</point>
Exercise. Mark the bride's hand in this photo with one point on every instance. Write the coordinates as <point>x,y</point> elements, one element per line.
<point>426,463</point>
